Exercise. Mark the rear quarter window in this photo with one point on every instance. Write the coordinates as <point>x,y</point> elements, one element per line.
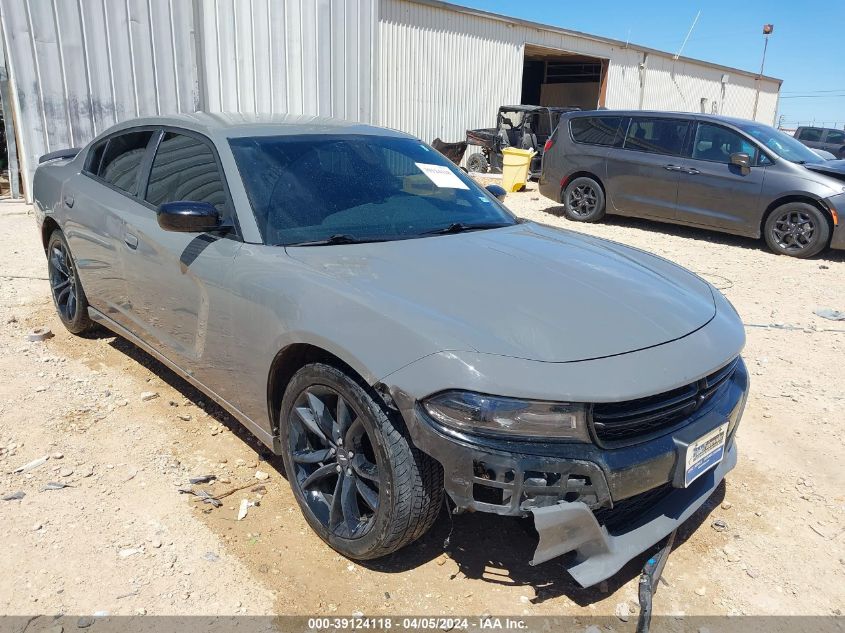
<point>600,130</point>
<point>121,160</point>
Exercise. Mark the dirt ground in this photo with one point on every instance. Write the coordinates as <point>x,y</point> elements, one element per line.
<point>121,539</point>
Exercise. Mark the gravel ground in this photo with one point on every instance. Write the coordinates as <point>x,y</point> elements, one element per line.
<point>122,539</point>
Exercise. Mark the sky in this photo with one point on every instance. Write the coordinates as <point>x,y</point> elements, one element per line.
<point>805,49</point>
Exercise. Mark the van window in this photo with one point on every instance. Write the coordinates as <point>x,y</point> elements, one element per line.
<point>716,143</point>
<point>658,136</point>
<point>835,136</point>
<point>122,158</point>
<point>596,130</point>
<point>811,134</point>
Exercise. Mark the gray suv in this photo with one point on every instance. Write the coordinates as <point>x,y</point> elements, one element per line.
<point>827,139</point>
<point>715,172</point>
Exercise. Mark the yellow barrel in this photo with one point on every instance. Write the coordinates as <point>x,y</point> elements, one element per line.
<point>515,165</point>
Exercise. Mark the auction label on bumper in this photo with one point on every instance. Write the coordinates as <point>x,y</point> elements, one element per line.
<point>705,452</point>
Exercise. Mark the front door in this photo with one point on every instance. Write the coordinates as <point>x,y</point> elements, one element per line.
<point>712,191</point>
<point>178,281</point>
<point>642,175</point>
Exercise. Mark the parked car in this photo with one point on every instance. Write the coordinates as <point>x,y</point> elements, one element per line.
<point>710,171</point>
<point>385,325</point>
<point>825,138</point>
<point>519,126</point>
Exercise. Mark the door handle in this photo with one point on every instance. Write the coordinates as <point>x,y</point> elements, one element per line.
<point>692,171</point>
<point>69,202</point>
<point>673,168</point>
<point>131,240</point>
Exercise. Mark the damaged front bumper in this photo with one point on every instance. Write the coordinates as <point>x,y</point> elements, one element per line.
<point>607,505</point>
<point>572,527</point>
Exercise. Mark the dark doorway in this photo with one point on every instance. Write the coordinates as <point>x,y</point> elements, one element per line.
<point>556,78</point>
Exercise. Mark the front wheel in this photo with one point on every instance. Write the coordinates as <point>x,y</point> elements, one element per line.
<point>583,200</point>
<point>360,483</point>
<point>68,296</point>
<point>797,229</point>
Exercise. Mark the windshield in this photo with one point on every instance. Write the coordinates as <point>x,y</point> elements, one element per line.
<point>348,188</point>
<point>781,144</point>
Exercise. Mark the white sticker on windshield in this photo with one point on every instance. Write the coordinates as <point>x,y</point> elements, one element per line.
<point>441,176</point>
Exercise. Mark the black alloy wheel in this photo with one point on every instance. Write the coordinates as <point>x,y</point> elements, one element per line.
<point>583,200</point>
<point>335,465</point>
<point>797,229</point>
<point>360,482</point>
<point>65,287</point>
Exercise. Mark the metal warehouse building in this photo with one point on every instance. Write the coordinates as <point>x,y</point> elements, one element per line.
<point>72,68</point>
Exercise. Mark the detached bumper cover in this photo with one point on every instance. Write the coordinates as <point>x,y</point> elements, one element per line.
<point>568,527</point>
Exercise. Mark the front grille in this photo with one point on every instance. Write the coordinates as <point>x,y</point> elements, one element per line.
<point>624,514</point>
<point>620,423</point>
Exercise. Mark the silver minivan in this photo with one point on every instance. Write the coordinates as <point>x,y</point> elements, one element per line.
<point>709,171</point>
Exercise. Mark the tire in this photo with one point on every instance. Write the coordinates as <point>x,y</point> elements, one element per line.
<point>797,229</point>
<point>583,200</point>
<point>478,163</point>
<point>65,286</point>
<point>372,492</point>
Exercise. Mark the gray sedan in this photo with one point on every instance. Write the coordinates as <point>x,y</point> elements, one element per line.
<point>385,325</point>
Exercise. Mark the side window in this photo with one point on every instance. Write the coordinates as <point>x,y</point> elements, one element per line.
<point>122,158</point>
<point>658,136</point>
<point>835,136</point>
<point>184,168</point>
<point>596,130</point>
<point>716,143</point>
<point>811,134</point>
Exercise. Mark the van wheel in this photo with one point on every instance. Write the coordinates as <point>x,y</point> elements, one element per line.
<point>360,483</point>
<point>797,229</point>
<point>583,200</point>
<point>65,286</point>
<point>478,163</point>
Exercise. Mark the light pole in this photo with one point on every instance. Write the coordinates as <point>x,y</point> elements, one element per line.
<point>768,29</point>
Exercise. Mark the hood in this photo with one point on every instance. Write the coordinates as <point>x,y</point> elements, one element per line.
<point>832,168</point>
<point>525,291</point>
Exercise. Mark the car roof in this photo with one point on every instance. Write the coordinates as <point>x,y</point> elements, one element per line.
<point>698,116</point>
<point>236,124</point>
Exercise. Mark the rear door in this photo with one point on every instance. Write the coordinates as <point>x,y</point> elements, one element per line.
<point>178,281</point>
<point>811,137</point>
<point>97,206</point>
<point>713,192</point>
<point>642,175</point>
<point>834,142</point>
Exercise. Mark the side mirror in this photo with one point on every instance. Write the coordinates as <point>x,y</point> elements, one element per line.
<point>741,160</point>
<point>187,216</point>
<point>498,192</point>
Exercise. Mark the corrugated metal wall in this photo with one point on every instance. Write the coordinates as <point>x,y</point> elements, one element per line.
<point>79,66</point>
<point>297,56</point>
<point>434,62</point>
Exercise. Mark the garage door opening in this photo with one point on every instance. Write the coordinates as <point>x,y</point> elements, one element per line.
<point>554,78</point>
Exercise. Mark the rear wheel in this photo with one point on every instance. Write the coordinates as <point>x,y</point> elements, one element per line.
<point>68,296</point>
<point>797,229</point>
<point>583,200</point>
<point>478,163</point>
<point>360,483</point>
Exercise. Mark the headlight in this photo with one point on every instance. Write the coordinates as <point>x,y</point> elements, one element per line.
<point>493,415</point>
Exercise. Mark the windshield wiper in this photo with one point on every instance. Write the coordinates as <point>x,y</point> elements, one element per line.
<point>461,227</point>
<point>338,238</point>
